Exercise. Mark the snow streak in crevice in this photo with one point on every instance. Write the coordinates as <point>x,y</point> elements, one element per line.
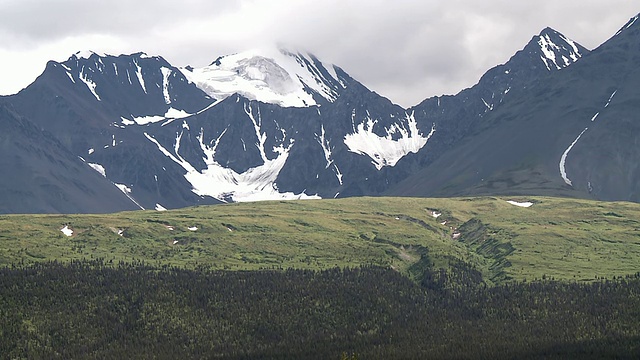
<point>262,137</point>
<point>563,159</point>
<point>70,77</point>
<point>127,191</point>
<point>489,107</point>
<point>139,75</point>
<point>627,25</point>
<point>165,84</point>
<point>90,84</point>
<point>610,98</point>
<point>327,149</point>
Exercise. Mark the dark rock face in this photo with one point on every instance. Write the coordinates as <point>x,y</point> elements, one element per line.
<point>41,176</point>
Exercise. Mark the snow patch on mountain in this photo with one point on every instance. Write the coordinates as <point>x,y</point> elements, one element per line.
<point>171,114</point>
<point>255,184</point>
<point>126,121</point>
<point>124,188</point>
<point>271,75</point>
<point>86,54</point>
<point>99,168</point>
<point>557,55</point>
<point>90,84</point>
<point>385,150</point>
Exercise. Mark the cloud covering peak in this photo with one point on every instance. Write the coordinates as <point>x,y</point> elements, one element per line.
<point>405,50</point>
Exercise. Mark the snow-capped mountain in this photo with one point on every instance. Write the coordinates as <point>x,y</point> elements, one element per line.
<point>146,88</point>
<point>277,124</point>
<point>455,117</point>
<point>572,133</point>
<point>274,124</point>
<point>271,75</point>
<point>558,51</point>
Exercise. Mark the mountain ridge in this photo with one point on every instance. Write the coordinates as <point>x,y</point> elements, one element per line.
<point>174,140</point>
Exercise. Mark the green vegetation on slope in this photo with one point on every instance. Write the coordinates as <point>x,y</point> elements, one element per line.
<point>556,238</point>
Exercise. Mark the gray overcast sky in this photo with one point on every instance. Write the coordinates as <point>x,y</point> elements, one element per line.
<point>405,50</point>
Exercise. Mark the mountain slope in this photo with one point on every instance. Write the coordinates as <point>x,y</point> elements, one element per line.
<point>573,134</point>
<point>455,116</point>
<point>43,176</point>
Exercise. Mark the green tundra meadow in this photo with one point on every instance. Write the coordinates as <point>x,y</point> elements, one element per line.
<point>356,278</point>
<point>566,239</point>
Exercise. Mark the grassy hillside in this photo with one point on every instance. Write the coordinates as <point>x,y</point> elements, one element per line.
<point>559,238</point>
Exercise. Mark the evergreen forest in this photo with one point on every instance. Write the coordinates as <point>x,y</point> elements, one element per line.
<point>91,309</point>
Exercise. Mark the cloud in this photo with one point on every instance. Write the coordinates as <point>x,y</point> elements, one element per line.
<point>41,21</point>
<point>406,50</point>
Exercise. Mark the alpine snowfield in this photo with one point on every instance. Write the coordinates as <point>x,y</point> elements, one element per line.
<point>385,150</point>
